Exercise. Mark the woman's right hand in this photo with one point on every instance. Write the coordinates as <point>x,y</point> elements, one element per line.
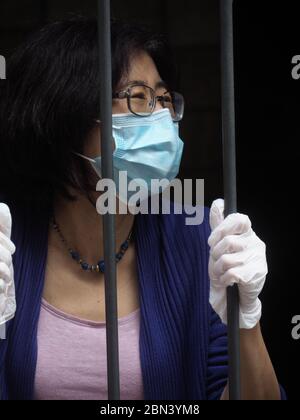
<point>7,249</point>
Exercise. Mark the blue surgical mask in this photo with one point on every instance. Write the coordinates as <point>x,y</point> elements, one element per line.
<point>147,148</point>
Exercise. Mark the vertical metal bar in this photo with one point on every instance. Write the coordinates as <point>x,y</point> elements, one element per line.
<point>111,302</point>
<point>230,192</point>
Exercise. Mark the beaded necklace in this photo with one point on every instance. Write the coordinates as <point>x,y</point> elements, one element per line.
<point>100,266</point>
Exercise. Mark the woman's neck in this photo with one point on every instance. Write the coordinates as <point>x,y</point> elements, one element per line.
<point>82,227</point>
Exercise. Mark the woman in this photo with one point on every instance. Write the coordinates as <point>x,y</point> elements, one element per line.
<point>173,343</point>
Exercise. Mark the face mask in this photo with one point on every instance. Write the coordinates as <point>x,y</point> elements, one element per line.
<point>147,148</point>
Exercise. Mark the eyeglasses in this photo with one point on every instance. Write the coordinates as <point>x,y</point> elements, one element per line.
<point>142,100</point>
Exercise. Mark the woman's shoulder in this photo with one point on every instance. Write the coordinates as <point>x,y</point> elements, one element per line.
<point>187,220</point>
<point>177,228</point>
<point>28,223</point>
<point>181,231</point>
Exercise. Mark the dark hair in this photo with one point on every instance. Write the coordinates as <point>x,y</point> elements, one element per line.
<point>50,100</point>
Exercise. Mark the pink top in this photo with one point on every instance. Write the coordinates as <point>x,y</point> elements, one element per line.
<point>71,362</point>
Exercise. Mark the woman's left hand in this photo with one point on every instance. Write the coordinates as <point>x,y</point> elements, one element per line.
<point>238,256</point>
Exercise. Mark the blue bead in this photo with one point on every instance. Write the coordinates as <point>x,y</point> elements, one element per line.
<point>101,266</point>
<point>125,246</point>
<point>119,256</point>
<point>85,266</point>
<point>75,255</point>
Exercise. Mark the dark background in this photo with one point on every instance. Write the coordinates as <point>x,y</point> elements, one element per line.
<point>267,37</point>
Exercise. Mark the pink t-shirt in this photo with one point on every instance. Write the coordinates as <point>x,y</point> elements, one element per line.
<point>72,362</point>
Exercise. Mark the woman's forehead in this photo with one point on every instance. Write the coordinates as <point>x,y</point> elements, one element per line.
<point>143,70</point>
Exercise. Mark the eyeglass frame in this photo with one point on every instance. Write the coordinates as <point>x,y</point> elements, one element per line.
<point>125,94</point>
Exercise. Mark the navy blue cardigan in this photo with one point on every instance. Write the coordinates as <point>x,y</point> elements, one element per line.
<point>183,344</point>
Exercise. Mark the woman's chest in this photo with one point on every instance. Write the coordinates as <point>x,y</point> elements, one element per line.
<point>82,294</point>
<point>72,363</point>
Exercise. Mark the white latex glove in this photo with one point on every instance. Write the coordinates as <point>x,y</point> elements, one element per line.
<point>7,286</point>
<point>237,255</point>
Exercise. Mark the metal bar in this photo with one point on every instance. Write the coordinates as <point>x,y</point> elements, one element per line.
<point>111,302</point>
<point>230,191</point>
